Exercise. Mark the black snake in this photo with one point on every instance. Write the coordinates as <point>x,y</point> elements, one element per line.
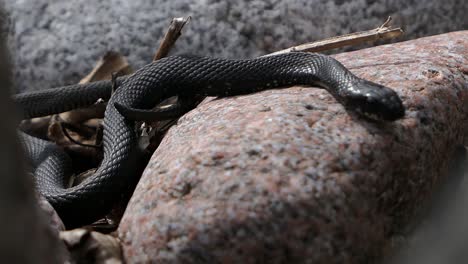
<point>185,76</point>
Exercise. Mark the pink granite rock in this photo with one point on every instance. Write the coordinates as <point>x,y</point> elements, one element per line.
<point>54,221</point>
<point>289,176</point>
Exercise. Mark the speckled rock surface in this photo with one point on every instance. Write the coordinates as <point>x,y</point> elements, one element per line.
<point>58,42</point>
<point>52,217</point>
<point>25,236</point>
<point>286,176</point>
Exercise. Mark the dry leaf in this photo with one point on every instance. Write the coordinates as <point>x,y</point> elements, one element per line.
<point>92,247</point>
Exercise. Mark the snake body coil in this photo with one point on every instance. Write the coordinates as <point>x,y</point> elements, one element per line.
<point>184,76</point>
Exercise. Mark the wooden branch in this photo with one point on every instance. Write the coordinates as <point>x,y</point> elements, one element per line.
<point>382,32</point>
<point>172,34</point>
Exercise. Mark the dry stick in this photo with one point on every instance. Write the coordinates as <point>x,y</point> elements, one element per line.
<point>172,34</point>
<point>382,32</point>
<point>168,41</point>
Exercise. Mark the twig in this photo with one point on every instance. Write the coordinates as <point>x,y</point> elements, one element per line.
<point>172,34</point>
<point>382,32</point>
<point>64,127</point>
<point>386,23</point>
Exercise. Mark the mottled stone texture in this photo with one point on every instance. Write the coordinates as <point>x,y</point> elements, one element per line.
<point>57,42</point>
<point>25,236</point>
<point>290,176</point>
<point>52,217</point>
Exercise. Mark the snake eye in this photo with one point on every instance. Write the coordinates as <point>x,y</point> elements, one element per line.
<point>376,101</point>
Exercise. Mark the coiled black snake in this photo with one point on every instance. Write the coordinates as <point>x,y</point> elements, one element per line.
<point>185,76</point>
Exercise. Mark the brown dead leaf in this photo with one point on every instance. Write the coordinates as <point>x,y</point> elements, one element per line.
<point>87,246</point>
<point>111,62</point>
<point>36,127</point>
<point>80,131</point>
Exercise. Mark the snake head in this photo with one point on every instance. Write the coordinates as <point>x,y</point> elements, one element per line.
<point>374,101</point>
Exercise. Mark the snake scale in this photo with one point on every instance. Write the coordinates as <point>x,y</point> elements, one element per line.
<point>184,76</point>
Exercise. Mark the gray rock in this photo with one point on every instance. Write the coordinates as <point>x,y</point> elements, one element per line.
<point>25,235</point>
<point>286,176</point>
<point>58,42</point>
